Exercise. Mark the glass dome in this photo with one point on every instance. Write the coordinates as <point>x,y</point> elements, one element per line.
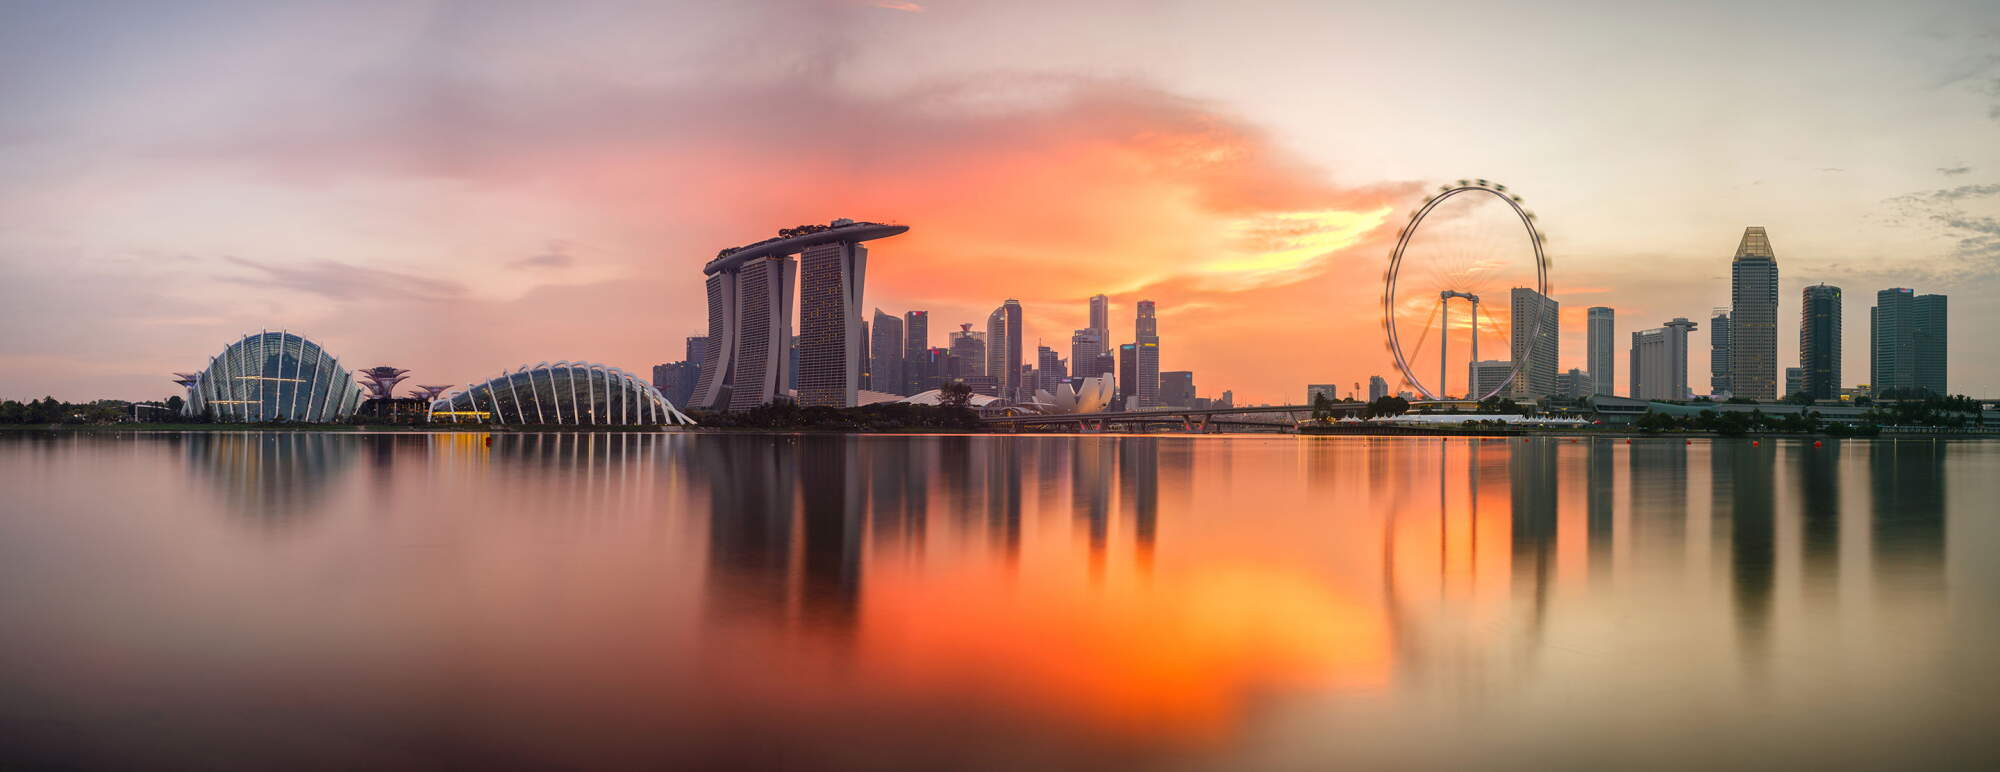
<point>564,393</point>
<point>273,376</point>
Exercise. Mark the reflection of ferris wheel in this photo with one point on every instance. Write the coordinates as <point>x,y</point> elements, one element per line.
<point>1466,239</point>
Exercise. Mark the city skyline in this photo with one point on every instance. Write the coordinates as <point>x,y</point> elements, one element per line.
<point>358,213</point>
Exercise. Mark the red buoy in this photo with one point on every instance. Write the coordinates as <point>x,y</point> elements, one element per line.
<point>1754,443</point>
<point>1815,443</point>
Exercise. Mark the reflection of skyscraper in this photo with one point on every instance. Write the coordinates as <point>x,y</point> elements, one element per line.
<point>1600,481</point>
<point>1819,515</point>
<point>1139,492</point>
<point>1753,318</point>
<point>1742,475</point>
<point>1907,486</point>
<point>1531,471</point>
<point>751,493</point>
<point>830,507</point>
<point>1657,476</point>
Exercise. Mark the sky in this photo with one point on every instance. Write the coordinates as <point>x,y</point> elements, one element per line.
<point>459,188</point>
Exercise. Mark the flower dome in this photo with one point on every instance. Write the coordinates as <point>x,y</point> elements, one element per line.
<point>272,376</point>
<point>564,393</point>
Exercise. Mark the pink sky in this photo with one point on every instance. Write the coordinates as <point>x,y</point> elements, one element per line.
<point>460,189</point>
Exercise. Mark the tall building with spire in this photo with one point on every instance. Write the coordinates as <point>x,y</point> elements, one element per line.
<point>1819,342</point>
<point>1753,318</point>
<point>1601,359</point>
<point>1718,353</point>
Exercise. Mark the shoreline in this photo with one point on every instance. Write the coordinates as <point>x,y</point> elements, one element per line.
<point>1376,431</point>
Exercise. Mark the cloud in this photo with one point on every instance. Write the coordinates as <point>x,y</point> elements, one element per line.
<point>553,257</point>
<point>893,5</point>
<point>341,281</point>
<point>1953,171</point>
<point>1975,237</point>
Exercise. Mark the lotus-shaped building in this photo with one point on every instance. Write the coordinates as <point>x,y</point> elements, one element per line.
<point>272,376</point>
<point>1094,396</point>
<point>564,393</point>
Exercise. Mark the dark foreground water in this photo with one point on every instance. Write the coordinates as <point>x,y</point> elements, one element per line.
<point>338,601</point>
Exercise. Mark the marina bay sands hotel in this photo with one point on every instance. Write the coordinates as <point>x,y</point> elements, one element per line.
<point>750,317</point>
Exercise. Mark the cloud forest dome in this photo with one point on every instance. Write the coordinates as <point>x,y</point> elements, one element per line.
<point>273,376</point>
<point>564,393</point>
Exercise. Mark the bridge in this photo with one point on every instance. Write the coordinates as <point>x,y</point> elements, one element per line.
<point>1186,419</point>
<point>1198,421</point>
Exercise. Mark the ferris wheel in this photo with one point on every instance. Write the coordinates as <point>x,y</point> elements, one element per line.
<point>1467,239</point>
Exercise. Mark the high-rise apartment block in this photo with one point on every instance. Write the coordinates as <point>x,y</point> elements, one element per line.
<point>1753,318</point>
<point>1378,387</point>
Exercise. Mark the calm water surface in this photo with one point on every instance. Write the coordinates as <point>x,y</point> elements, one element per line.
<point>297,600</point>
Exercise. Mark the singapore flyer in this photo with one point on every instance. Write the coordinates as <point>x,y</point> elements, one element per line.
<point>1474,243</point>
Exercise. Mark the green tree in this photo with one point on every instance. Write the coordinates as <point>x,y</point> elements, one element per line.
<point>955,394</point>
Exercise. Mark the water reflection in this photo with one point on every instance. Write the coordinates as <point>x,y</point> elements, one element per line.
<point>1011,602</point>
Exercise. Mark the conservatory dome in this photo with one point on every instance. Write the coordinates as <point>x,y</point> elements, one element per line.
<point>272,376</point>
<point>564,393</point>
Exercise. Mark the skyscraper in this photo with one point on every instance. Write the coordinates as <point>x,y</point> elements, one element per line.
<point>1003,348</point>
<point>1146,332</point>
<point>1377,388</point>
<point>968,352</point>
<point>1128,378</point>
<point>1819,342</point>
<point>1084,347</point>
<point>1907,344</point>
<point>749,321</point>
<point>1601,357</point>
<point>1049,370</point>
<point>1718,353</point>
<point>1100,316</point>
<point>916,350</point>
<point>1535,341</point>
<point>885,373</point>
<point>1177,388</point>
<point>1660,361</point>
<point>750,316</point>
<point>1753,318</point>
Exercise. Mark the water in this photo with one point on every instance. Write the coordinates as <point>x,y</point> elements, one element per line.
<point>288,600</point>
